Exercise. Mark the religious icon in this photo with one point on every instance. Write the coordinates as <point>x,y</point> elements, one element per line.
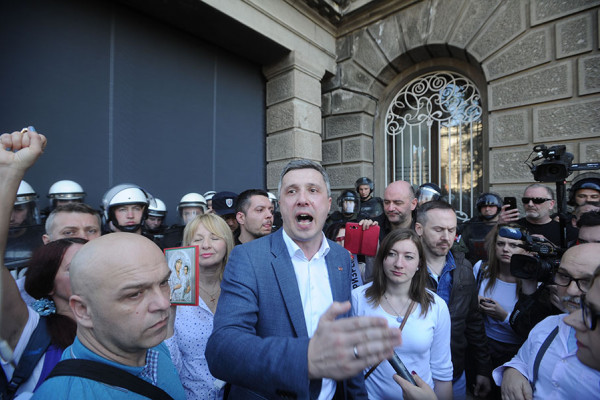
<point>183,263</point>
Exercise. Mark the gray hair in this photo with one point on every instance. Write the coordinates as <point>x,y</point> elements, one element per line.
<point>539,185</point>
<point>304,164</point>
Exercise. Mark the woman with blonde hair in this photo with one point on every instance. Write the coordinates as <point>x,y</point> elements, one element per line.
<point>399,295</point>
<point>193,325</point>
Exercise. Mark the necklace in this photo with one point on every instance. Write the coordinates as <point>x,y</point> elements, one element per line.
<point>399,318</point>
<point>212,296</point>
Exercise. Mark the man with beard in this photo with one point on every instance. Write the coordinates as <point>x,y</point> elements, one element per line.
<point>254,215</point>
<point>451,276</point>
<point>538,201</point>
<point>558,373</point>
<point>399,201</point>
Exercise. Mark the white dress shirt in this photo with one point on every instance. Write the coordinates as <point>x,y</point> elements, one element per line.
<point>561,375</point>
<point>315,292</point>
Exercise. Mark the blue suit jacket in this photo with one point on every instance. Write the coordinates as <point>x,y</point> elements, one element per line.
<point>259,342</point>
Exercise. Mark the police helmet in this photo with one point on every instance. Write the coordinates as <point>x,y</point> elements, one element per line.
<point>364,181</point>
<point>192,200</point>
<point>274,200</point>
<point>589,180</point>
<point>209,195</point>
<point>428,192</point>
<point>125,194</point>
<point>489,199</point>
<point>159,209</point>
<point>66,190</point>
<point>27,198</point>
<point>348,196</point>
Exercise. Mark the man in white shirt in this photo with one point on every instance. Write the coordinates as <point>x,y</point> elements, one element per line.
<point>276,330</point>
<point>558,374</point>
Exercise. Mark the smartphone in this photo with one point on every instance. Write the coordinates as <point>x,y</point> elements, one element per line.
<point>486,301</point>
<point>512,201</point>
<point>362,242</point>
<point>401,369</point>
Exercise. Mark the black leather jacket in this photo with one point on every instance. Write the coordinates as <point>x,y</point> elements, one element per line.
<point>468,331</point>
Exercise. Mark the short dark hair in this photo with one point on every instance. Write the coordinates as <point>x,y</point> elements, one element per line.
<point>243,199</point>
<point>305,164</point>
<point>590,218</point>
<point>71,208</point>
<point>431,205</point>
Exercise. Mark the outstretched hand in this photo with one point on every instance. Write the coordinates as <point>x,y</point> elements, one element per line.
<point>341,348</point>
<point>19,150</point>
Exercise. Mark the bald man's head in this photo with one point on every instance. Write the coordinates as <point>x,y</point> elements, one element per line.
<point>120,296</point>
<point>398,203</point>
<point>577,267</point>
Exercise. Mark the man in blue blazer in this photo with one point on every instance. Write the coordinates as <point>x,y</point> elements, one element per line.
<point>280,330</point>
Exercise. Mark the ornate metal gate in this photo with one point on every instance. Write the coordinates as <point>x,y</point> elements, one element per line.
<point>433,133</point>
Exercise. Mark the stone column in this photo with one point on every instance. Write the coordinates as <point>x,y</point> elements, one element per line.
<point>293,119</point>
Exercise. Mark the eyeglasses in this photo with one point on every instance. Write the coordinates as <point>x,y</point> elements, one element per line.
<point>564,280</point>
<point>536,200</point>
<point>590,317</point>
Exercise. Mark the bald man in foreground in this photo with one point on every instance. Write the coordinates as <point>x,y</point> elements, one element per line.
<point>120,285</point>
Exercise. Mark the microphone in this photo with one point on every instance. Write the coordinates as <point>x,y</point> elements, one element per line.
<point>400,368</point>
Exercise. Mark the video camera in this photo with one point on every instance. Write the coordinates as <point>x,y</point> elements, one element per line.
<point>542,265</point>
<point>557,164</point>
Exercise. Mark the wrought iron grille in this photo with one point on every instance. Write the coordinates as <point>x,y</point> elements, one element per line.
<point>433,133</point>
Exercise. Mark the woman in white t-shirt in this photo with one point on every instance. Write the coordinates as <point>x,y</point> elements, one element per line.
<point>399,277</point>
<point>498,291</point>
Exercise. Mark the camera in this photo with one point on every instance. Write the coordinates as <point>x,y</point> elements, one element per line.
<point>542,265</point>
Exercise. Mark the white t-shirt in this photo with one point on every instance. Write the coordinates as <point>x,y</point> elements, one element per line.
<point>425,346</point>
<point>26,389</point>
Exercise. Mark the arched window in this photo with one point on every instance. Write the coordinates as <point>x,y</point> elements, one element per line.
<point>433,131</point>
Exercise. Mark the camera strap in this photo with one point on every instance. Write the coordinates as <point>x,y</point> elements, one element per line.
<point>540,355</point>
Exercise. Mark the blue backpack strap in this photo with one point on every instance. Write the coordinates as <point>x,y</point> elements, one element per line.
<point>540,355</point>
<point>35,349</point>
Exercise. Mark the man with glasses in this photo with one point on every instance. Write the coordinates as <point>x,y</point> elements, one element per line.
<point>547,360</point>
<point>538,203</point>
<point>585,323</point>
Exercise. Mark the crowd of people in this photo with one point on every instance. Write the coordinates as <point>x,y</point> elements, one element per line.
<point>492,308</point>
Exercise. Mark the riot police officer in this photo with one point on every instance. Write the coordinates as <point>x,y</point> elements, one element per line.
<point>369,206</point>
<point>124,208</point>
<point>475,230</point>
<point>154,227</point>
<point>190,205</point>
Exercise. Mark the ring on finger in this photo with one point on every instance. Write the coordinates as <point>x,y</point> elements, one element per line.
<point>355,351</point>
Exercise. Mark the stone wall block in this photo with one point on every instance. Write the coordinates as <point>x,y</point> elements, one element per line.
<point>367,53</point>
<point>443,11</point>
<point>506,165</point>
<point>357,148</point>
<point>353,77</point>
<point>332,152</point>
<point>386,34</point>
<point>543,84</point>
<point>510,128</point>
<point>472,19</point>
<point>273,171</point>
<point>574,36</point>
<point>294,143</point>
<point>414,23</point>
<point>546,10</point>
<point>533,49</point>
<point>588,69</point>
<point>508,22</point>
<point>343,101</point>
<point>294,84</point>
<point>567,121</point>
<point>346,125</point>
<point>326,104</point>
<point>293,114</point>
<point>344,176</point>
<point>589,152</point>
<point>343,47</point>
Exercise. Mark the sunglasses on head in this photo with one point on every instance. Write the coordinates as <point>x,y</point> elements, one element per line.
<point>536,200</point>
